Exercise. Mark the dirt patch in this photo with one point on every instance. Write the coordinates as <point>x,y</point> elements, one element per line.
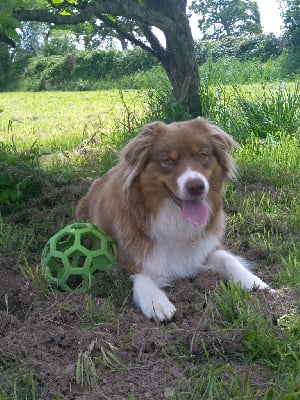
<point>130,354</point>
<point>53,335</point>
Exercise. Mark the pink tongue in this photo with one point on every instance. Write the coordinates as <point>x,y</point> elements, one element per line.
<point>194,211</point>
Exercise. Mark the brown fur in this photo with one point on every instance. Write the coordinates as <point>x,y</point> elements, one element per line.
<point>124,200</point>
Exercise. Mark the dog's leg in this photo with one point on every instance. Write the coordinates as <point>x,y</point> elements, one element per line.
<point>152,301</point>
<point>230,266</point>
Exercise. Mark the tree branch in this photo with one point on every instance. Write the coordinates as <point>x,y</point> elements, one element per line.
<point>145,14</point>
<point>159,51</point>
<point>7,40</point>
<point>126,34</point>
<point>132,9</point>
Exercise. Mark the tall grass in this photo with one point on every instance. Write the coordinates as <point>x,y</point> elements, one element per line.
<point>262,111</point>
<point>231,71</point>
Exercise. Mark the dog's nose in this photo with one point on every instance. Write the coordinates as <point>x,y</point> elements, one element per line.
<point>195,187</point>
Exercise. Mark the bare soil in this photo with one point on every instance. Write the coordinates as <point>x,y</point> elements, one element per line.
<point>48,334</point>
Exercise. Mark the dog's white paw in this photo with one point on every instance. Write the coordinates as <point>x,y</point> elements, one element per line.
<point>161,309</point>
<point>152,301</point>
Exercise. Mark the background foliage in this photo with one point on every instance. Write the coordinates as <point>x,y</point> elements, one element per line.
<point>96,69</point>
<point>74,61</point>
<point>221,18</point>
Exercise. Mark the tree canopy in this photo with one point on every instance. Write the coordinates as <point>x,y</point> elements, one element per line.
<point>133,20</point>
<point>219,18</point>
<point>291,20</point>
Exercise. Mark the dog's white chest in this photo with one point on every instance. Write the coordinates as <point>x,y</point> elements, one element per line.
<point>180,249</point>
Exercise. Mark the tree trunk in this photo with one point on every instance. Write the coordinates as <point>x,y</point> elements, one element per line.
<point>182,68</point>
<point>179,57</point>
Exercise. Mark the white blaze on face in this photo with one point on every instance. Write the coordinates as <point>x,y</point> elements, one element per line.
<point>194,208</point>
<point>187,176</point>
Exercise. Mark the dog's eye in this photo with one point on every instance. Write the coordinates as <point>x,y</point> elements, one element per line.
<point>168,162</point>
<point>202,156</point>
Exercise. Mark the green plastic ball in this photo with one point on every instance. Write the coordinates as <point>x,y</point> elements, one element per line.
<point>74,254</point>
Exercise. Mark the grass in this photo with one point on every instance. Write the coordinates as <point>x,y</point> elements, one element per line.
<point>271,348</point>
<point>59,121</point>
<point>23,387</point>
<point>260,110</point>
<point>85,373</point>
<point>268,217</point>
<point>34,275</point>
<point>231,71</point>
<point>79,135</point>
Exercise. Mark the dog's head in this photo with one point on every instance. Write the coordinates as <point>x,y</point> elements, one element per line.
<point>184,161</point>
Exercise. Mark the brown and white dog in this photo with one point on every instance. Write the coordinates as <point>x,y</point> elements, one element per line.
<point>162,203</point>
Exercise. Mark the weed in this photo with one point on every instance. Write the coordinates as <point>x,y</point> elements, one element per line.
<point>289,323</point>
<point>113,284</point>
<point>85,374</point>
<point>24,386</point>
<point>290,271</point>
<point>98,313</point>
<point>163,105</point>
<point>217,383</point>
<point>18,240</point>
<point>132,395</point>
<point>265,112</point>
<point>276,110</point>
<point>109,359</point>
<point>36,278</point>
<point>233,303</point>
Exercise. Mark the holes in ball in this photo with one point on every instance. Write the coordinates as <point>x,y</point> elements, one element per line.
<point>56,267</point>
<point>74,281</point>
<point>90,242</point>
<point>65,241</point>
<point>53,272</point>
<point>77,259</point>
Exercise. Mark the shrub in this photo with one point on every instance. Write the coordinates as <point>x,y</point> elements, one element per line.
<point>130,61</point>
<point>92,65</point>
<point>44,73</point>
<point>261,47</point>
<point>82,70</point>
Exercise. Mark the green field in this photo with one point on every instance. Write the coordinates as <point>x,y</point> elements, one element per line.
<point>59,120</point>
<point>224,343</point>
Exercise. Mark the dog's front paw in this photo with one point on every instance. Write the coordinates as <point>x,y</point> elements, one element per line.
<point>152,301</point>
<point>161,309</point>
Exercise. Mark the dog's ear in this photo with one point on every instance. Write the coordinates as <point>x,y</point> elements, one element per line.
<point>135,155</point>
<point>223,143</point>
<point>226,141</point>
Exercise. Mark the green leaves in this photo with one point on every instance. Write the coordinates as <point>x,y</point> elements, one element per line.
<point>8,24</point>
<point>65,6</point>
<point>64,2</point>
<point>219,18</point>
